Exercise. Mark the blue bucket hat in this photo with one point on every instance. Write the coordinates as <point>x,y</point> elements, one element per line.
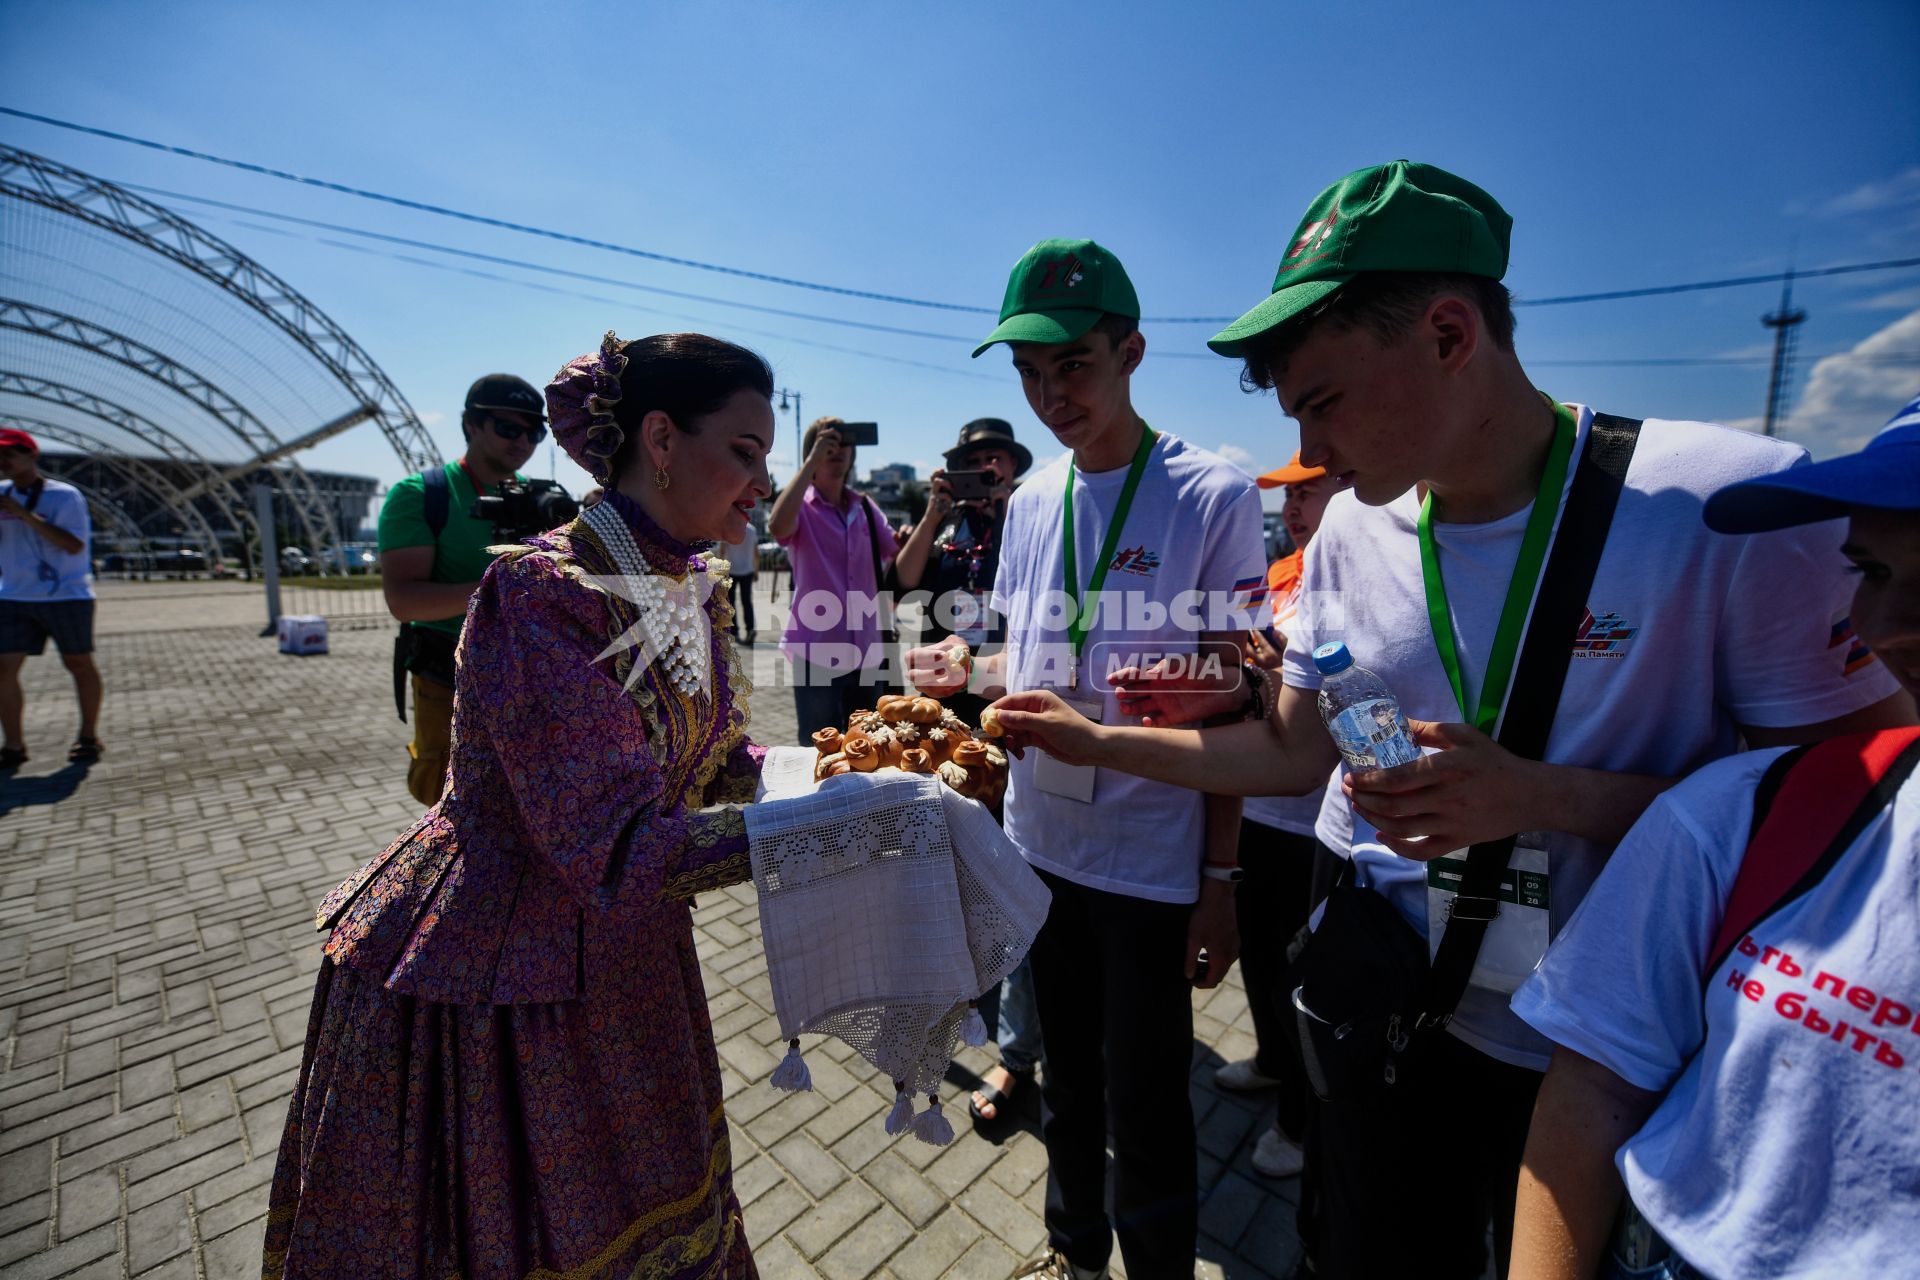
<point>1884,475</point>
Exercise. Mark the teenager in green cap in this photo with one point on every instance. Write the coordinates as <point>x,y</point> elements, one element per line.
<point>1389,338</point>
<point>1096,551</point>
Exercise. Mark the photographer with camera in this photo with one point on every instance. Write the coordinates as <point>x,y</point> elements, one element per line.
<point>840,546</point>
<point>435,531</point>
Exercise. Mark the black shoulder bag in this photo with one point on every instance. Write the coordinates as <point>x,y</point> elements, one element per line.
<point>426,653</point>
<point>1366,992</point>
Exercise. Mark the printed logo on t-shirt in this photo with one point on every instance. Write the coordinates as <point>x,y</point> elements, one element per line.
<point>1827,1007</point>
<point>1604,635</point>
<point>1137,561</point>
<point>1858,655</point>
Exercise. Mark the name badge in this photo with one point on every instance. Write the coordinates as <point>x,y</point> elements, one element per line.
<point>1517,938</point>
<point>970,617</point>
<point>1070,781</point>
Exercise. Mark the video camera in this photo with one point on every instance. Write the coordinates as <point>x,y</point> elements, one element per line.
<point>520,510</point>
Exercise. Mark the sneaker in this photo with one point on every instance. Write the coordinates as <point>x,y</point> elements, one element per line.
<point>1275,1157</point>
<point>1053,1265</point>
<point>1243,1077</point>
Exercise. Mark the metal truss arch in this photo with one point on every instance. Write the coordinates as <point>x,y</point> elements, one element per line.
<point>198,390</point>
<point>133,469</point>
<point>148,432</point>
<point>55,186</point>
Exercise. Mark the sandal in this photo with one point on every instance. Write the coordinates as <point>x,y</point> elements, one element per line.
<point>12,757</point>
<point>84,751</point>
<point>989,1096</point>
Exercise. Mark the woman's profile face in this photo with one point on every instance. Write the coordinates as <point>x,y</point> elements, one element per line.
<point>720,471</point>
<point>1884,547</point>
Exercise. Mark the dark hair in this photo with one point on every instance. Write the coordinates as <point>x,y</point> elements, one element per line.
<point>1118,328</point>
<point>685,376</point>
<point>1384,303</point>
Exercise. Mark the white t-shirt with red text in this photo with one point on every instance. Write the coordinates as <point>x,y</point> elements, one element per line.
<point>1788,1143</point>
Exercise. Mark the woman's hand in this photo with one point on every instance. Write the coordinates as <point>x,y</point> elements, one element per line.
<point>939,670</point>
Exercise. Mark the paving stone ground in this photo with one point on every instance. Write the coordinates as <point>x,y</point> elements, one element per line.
<point>157,958</point>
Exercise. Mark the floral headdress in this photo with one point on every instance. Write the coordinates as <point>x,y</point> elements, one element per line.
<point>580,404</point>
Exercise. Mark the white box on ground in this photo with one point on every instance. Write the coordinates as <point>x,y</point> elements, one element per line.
<point>303,634</point>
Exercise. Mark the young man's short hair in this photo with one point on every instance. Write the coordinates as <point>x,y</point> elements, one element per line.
<point>1384,303</point>
<point>1116,327</point>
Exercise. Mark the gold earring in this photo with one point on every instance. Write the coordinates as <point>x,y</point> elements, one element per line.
<point>660,478</point>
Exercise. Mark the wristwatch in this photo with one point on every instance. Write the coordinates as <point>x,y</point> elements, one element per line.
<point>1215,871</point>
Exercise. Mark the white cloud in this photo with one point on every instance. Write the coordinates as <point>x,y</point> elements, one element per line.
<point>1847,397</point>
<point>1892,300</point>
<point>1241,458</point>
<point>432,418</point>
<point>1902,188</point>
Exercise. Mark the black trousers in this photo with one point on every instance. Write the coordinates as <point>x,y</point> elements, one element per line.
<point>1409,1178</point>
<point>821,706</point>
<point>1116,1017</point>
<point>1271,905</point>
<point>741,595</point>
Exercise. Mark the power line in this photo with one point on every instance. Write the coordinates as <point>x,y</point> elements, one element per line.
<point>498,260</point>
<point>522,264</point>
<point>840,290</point>
<point>1729,283</point>
<point>485,220</point>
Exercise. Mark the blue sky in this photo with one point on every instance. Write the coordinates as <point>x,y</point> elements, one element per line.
<point>919,149</point>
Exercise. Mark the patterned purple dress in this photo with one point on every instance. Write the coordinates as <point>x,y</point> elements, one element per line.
<point>510,1070</point>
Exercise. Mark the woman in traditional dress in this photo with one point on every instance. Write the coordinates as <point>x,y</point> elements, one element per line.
<point>509,1069</point>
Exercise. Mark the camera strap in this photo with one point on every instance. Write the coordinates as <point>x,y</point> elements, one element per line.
<point>439,498</point>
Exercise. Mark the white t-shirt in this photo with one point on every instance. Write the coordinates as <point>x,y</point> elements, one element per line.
<point>31,568</point>
<point>1297,814</point>
<point>1778,1150</point>
<point>743,558</point>
<point>1693,634</point>
<point>1194,527</point>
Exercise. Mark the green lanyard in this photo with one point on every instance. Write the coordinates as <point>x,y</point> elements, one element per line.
<point>1077,625</point>
<point>1526,576</point>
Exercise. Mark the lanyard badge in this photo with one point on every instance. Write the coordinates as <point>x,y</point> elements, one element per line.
<point>1484,714</point>
<point>1084,608</point>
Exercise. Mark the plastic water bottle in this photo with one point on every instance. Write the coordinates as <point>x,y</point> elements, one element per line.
<point>1361,712</point>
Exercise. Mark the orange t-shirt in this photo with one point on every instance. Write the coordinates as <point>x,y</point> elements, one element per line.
<point>1283,586</point>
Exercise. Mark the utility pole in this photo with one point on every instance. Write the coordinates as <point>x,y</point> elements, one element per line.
<point>1783,323</point>
<point>798,430</point>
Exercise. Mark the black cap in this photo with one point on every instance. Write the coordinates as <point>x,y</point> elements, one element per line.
<point>504,391</point>
<point>995,433</point>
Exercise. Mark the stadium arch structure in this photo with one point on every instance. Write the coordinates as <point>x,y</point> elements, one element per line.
<point>181,369</point>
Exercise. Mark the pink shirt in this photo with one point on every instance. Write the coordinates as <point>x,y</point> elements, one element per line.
<point>832,554</point>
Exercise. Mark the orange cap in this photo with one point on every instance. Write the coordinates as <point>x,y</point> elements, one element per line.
<point>1292,473</point>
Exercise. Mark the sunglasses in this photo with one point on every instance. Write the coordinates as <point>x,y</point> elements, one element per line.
<point>513,431</point>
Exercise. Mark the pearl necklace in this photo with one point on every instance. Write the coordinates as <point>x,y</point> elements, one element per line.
<point>671,630</point>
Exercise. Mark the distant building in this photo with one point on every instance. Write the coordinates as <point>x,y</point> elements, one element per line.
<point>349,502</point>
<point>887,486</point>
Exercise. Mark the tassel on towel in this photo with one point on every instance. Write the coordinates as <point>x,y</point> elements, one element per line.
<point>792,1072</point>
<point>974,1030</point>
<point>932,1127</point>
<point>901,1117</point>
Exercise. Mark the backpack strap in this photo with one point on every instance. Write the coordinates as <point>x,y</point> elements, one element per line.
<point>439,498</point>
<point>1810,806</point>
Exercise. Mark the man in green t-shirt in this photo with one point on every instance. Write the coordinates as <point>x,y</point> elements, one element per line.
<point>427,576</point>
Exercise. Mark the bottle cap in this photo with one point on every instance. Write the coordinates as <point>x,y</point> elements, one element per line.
<point>1332,658</point>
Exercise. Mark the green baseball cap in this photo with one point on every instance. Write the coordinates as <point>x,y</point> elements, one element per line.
<point>1393,217</point>
<point>1058,290</point>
